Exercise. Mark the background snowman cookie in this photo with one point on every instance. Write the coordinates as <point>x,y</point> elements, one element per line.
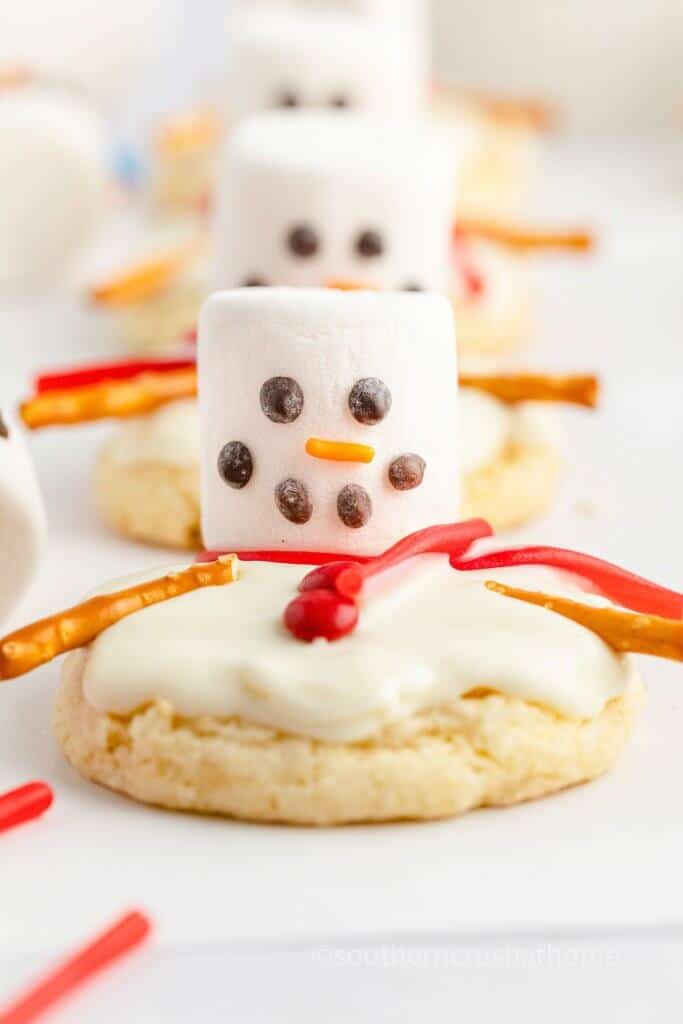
<point>444,676</point>
<point>304,200</point>
<point>297,60</point>
<point>318,56</point>
<point>313,199</point>
<point>147,477</point>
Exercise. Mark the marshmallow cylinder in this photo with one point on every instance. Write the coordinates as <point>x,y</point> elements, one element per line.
<point>53,183</point>
<point>322,59</point>
<point>310,198</point>
<point>102,48</point>
<point>22,518</point>
<point>328,419</point>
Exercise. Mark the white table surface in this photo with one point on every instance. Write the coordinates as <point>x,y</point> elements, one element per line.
<point>598,862</point>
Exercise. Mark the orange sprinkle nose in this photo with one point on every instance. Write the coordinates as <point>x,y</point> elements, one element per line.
<point>339,451</point>
<point>340,285</point>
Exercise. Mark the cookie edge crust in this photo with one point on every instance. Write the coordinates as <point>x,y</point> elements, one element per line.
<point>486,750</point>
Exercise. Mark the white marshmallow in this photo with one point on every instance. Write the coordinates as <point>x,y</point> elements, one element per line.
<point>100,47</point>
<point>408,12</point>
<point>321,59</point>
<point>53,183</point>
<point>326,342</point>
<point>341,178</point>
<point>22,518</point>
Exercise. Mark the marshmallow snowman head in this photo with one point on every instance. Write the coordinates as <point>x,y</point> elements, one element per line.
<point>53,182</point>
<point>409,14</point>
<point>281,58</point>
<point>307,199</point>
<point>328,419</point>
<point>22,518</point>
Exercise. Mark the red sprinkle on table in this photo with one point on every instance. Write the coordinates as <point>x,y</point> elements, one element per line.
<point>24,804</point>
<point>121,938</point>
<point>472,278</point>
<point>83,376</point>
<point>622,587</point>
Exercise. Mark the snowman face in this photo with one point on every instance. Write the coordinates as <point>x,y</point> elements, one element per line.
<point>328,420</point>
<point>307,200</point>
<point>281,58</point>
<point>22,519</point>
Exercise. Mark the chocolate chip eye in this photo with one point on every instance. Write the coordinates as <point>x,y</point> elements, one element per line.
<point>407,472</point>
<point>282,399</point>
<point>354,506</point>
<point>287,99</point>
<point>412,287</point>
<point>254,281</point>
<point>370,245</point>
<point>4,429</point>
<point>294,501</point>
<point>370,401</point>
<point>340,102</point>
<point>303,241</point>
<point>235,464</point>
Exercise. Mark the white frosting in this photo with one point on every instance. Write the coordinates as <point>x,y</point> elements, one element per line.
<point>341,177</point>
<point>486,428</point>
<point>317,56</point>
<point>427,637</point>
<point>53,183</point>
<point>22,518</point>
<point>326,341</point>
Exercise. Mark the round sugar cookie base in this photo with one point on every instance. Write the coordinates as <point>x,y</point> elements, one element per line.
<point>152,502</point>
<point>485,750</point>
<point>515,489</point>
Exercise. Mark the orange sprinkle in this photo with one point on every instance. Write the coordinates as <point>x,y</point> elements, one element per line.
<point>197,129</point>
<point>144,280</point>
<point>525,239</point>
<point>340,285</point>
<point>339,451</point>
<point>14,75</point>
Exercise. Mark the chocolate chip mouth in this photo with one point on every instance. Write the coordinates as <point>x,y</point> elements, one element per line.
<point>354,506</point>
<point>4,429</point>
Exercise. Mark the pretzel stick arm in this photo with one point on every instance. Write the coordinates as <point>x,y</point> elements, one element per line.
<point>41,642</point>
<point>525,239</point>
<point>109,399</point>
<point>625,632</point>
<point>530,387</point>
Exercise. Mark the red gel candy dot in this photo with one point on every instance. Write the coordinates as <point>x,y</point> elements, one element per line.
<point>321,614</point>
<point>324,577</point>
